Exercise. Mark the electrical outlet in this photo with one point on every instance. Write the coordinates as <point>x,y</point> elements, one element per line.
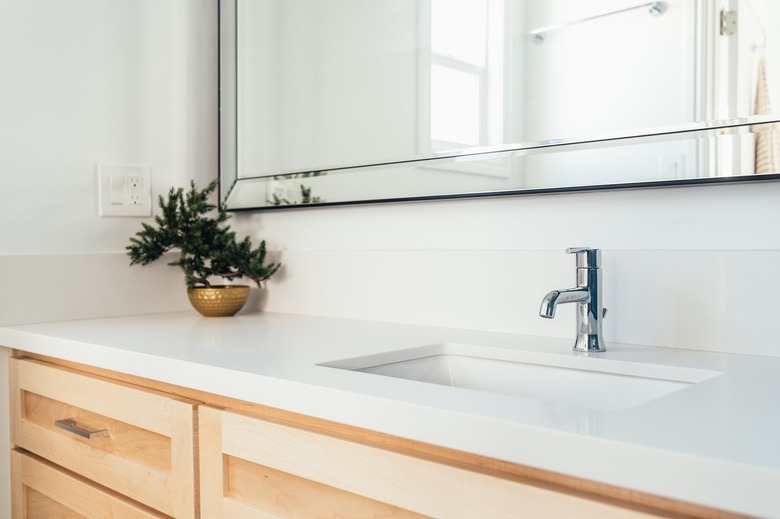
<point>124,190</point>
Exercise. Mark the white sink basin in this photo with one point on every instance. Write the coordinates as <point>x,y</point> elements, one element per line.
<point>590,382</point>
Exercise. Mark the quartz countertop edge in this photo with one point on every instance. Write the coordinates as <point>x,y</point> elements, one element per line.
<point>713,444</point>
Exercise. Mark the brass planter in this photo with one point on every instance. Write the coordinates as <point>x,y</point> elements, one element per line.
<point>218,301</point>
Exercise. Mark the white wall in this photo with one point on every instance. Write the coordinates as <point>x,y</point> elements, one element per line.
<point>88,81</point>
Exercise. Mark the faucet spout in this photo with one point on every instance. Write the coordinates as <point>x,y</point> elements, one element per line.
<point>558,297</point>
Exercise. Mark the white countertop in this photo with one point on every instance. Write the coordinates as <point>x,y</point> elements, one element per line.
<point>715,443</point>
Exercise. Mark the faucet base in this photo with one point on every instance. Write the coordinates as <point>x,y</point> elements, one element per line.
<point>589,343</point>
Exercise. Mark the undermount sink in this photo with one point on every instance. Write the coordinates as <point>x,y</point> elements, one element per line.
<point>595,383</point>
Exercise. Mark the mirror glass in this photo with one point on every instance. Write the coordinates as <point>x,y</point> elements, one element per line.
<point>345,101</point>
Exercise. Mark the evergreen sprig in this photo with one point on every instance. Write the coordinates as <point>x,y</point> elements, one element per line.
<point>207,247</point>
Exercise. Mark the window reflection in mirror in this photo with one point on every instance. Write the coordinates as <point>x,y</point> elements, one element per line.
<point>466,74</point>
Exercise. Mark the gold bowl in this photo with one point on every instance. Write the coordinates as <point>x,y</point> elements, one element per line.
<point>218,300</point>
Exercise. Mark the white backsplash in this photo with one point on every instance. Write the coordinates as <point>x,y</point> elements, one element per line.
<point>706,300</point>
<point>684,268</point>
<point>59,287</point>
<point>692,267</point>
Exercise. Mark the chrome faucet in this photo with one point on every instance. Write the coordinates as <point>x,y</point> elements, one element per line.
<point>587,295</point>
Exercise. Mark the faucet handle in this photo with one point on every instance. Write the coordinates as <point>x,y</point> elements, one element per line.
<point>586,257</point>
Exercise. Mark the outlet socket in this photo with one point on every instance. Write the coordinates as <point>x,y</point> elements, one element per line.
<point>124,190</point>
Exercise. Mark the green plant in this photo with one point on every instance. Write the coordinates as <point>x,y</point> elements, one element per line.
<point>207,247</point>
<point>306,196</point>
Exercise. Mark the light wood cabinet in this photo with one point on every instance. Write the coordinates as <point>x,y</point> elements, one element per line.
<point>258,468</point>
<point>158,450</point>
<point>129,440</point>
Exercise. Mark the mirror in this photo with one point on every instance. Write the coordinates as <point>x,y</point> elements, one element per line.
<point>353,101</point>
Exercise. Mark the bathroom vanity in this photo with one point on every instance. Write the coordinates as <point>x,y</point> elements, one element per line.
<point>267,415</point>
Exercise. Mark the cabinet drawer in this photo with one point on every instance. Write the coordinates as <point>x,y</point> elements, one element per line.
<point>242,482</point>
<point>134,441</point>
<point>43,490</point>
<point>259,469</point>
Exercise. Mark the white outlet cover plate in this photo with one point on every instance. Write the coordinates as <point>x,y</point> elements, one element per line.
<point>118,196</point>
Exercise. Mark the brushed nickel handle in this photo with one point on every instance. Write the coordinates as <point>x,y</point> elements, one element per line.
<point>70,425</point>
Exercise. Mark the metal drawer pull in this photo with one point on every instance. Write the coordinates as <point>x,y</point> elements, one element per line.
<point>70,425</point>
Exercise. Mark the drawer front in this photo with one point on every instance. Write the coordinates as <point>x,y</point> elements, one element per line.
<point>137,442</point>
<point>43,490</point>
<point>288,465</point>
<point>237,485</point>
